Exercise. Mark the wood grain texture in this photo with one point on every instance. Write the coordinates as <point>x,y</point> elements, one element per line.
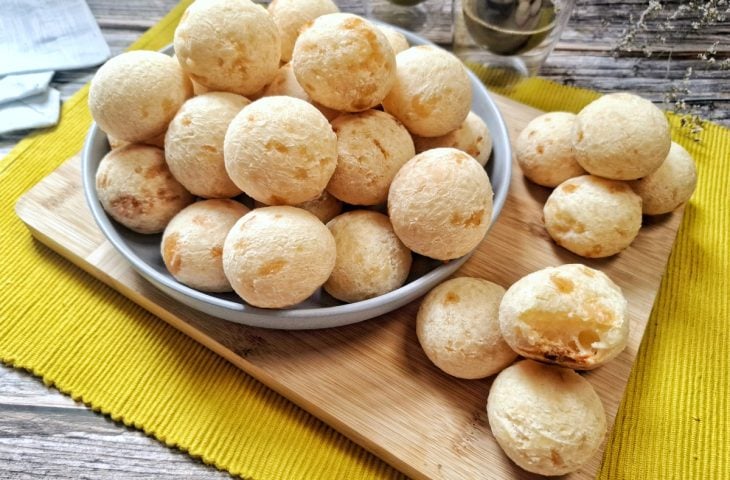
<point>583,58</point>
<point>48,435</point>
<point>371,381</point>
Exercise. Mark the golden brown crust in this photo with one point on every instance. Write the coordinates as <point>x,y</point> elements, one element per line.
<point>570,315</point>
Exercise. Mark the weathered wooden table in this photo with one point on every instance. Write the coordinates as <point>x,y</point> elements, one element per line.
<point>43,433</point>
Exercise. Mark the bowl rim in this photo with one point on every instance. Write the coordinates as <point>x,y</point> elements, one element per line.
<point>347,313</point>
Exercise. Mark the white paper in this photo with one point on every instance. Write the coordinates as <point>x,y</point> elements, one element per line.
<point>15,87</point>
<point>38,35</point>
<point>40,110</point>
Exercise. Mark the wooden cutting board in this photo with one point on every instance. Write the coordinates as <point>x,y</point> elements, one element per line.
<point>371,381</point>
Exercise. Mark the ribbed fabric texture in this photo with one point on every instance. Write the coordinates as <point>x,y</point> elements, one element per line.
<point>674,420</point>
<point>91,343</point>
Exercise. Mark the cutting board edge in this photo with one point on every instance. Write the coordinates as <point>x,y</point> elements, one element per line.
<point>36,202</point>
<point>211,344</point>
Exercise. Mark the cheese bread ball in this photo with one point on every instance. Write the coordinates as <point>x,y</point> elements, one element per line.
<point>137,189</point>
<point>325,207</point>
<point>621,136</point>
<point>371,147</point>
<point>285,83</point>
<point>280,151</point>
<point>199,89</point>
<point>571,315</point>
<point>371,260</point>
<point>276,257</point>
<point>134,95</point>
<point>194,144</point>
<point>548,420</point>
<point>292,15</point>
<point>440,203</point>
<point>592,216</point>
<point>344,62</point>
<point>157,141</point>
<point>228,45</point>
<point>192,245</point>
<point>670,186</point>
<point>458,328</point>
<point>397,40</point>
<point>471,137</point>
<point>432,91</point>
<point>114,142</point>
<point>544,149</point>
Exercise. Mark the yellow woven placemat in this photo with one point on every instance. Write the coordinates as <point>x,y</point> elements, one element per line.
<point>91,343</point>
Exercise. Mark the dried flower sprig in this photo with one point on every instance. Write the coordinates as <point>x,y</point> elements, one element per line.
<point>661,17</point>
<point>704,13</point>
<point>690,119</point>
<point>626,43</point>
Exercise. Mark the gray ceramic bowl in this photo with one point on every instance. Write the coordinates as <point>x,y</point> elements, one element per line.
<point>320,310</point>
